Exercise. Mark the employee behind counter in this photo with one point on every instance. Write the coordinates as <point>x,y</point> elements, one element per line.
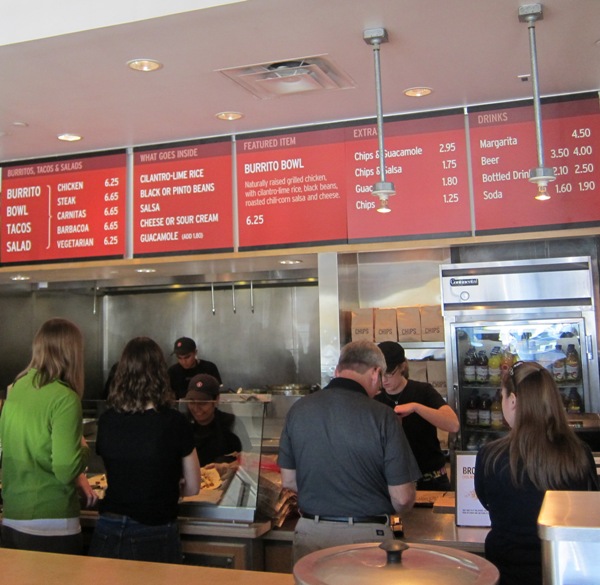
<point>218,436</point>
<point>188,365</point>
<point>423,412</point>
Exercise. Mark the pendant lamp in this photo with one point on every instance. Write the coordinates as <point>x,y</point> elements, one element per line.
<point>382,189</point>
<point>541,175</point>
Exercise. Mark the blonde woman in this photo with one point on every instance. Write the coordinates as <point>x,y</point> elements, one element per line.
<point>44,453</point>
<point>541,452</point>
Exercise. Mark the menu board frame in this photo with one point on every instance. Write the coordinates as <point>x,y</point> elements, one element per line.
<point>281,135</point>
<point>115,204</point>
<point>186,179</point>
<point>393,142</point>
<point>530,188</point>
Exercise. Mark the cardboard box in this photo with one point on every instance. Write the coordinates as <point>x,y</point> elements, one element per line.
<point>409,323</point>
<point>362,325</point>
<point>436,376</point>
<point>386,328</point>
<point>417,370</point>
<point>432,323</point>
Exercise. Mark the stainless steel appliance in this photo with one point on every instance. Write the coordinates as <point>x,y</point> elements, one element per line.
<point>499,312</point>
<point>569,528</point>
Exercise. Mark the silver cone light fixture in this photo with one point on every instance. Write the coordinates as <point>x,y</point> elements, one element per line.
<point>541,175</point>
<point>382,189</point>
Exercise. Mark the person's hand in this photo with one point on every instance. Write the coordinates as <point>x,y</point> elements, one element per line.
<point>86,493</point>
<point>405,409</point>
<point>222,468</point>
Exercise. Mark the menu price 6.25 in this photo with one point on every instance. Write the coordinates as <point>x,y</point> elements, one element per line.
<point>255,219</point>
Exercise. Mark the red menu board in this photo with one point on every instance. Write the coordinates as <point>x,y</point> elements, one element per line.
<point>182,199</point>
<point>426,160</point>
<point>503,146</point>
<point>291,189</point>
<point>64,209</point>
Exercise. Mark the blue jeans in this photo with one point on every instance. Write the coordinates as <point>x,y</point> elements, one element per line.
<point>123,538</point>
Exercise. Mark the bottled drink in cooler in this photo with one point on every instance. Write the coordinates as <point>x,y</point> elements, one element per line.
<point>572,365</point>
<point>481,368</point>
<point>494,370</point>
<point>559,364</point>
<point>506,361</point>
<point>496,416</point>
<point>484,413</point>
<point>469,364</point>
<point>575,405</point>
<point>472,443</point>
<point>472,411</point>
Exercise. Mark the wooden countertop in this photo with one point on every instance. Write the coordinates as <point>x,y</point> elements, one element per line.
<point>33,568</point>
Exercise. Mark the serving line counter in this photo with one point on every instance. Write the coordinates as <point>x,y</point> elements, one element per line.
<point>257,546</point>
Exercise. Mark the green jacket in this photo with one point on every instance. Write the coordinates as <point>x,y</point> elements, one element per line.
<point>40,437</point>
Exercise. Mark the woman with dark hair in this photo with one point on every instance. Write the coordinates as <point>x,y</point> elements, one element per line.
<point>44,453</point>
<point>148,451</point>
<point>541,452</point>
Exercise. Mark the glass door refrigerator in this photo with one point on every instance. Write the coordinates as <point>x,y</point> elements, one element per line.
<point>496,314</point>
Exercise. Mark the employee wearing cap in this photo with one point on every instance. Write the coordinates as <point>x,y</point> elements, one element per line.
<point>188,365</point>
<point>216,441</point>
<point>423,411</point>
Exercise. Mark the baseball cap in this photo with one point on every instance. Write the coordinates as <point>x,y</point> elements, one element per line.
<point>393,353</point>
<point>184,345</point>
<point>202,387</point>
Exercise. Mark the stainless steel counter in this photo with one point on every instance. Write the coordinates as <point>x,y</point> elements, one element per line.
<point>422,526</point>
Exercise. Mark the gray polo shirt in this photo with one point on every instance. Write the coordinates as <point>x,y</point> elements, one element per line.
<point>346,449</point>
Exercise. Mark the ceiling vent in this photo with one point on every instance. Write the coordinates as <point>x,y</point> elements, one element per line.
<point>270,80</point>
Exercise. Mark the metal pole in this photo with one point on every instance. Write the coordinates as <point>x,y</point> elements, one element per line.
<point>378,92</point>
<point>536,92</point>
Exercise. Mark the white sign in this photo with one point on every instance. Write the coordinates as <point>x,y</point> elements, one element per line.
<point>469,511</point>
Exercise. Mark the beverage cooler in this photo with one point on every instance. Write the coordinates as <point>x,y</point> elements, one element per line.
<point>500,312</point>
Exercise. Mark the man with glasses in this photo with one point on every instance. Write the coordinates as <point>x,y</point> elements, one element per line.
<point>423,411</point>
<point>347,457</point>
<point>188,365</point>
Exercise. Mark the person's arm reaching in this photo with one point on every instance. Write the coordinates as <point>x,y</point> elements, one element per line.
<point>190,484</point>
<point>443,418</point>
<point>402,496</point>
<point>288,479</point>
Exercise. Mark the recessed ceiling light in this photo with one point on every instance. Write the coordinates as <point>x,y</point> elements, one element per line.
<point>19,124</point>
<point>417,91</point>
<point>68,137</point>
<point>145,270</point>
<point>229,116</point>
<point>145,65</point>
<point>18,277</point>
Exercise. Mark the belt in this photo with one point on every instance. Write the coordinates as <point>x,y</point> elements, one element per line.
<point>114,516</point>
<point>433,474</point>
<point>348,519</point>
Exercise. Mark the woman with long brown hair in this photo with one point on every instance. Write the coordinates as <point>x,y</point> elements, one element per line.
<point>150,458</point>
<point>43,448</point>
<point>541,452</point>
